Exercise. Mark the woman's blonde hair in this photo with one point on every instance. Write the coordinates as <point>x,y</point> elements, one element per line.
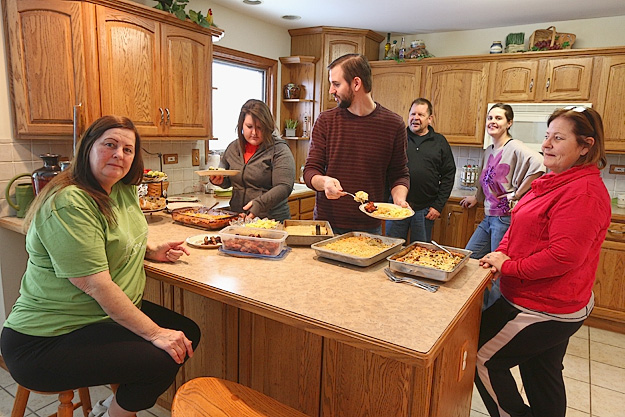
<point>80,174</point>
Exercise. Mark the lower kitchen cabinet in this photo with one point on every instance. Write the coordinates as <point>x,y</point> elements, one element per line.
<point>456,224</point>
<point>302,206</point>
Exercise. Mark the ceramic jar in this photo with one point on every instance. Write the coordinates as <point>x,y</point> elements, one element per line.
<point>496,47</point>
<point>49,170</point>
<point>291,90</point>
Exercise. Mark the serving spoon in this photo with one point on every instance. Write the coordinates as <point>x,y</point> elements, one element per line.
<point>440,247</point>
<point>356,199</point>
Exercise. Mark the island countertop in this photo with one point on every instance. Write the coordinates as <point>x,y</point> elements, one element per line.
<point>355,302</point>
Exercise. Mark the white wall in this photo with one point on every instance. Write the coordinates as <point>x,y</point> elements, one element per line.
<point>590,33</point>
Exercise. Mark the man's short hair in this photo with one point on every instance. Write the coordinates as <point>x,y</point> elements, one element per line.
<point>354,65</point>
<point>422,100</point>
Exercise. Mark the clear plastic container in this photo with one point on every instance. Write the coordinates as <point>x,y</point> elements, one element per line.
<point>251,240</point>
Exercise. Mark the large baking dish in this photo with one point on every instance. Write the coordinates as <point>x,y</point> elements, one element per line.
<point>357,260</point>
<point>426,271</point>
<point>188,216</point>
<point>307,240</point>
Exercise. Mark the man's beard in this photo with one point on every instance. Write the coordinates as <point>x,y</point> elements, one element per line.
<point>346,102</point>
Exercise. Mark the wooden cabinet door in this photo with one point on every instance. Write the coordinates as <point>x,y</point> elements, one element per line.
<point>334,47</point>
<point>48,44</point>
<point>458,94</point>
<point>187,83</point>
<point>130,69</point>
<point>514,80</point>
<point>568,79</point>
<point>611,104</point>
<point>609,285</point>
<point>396,87</point>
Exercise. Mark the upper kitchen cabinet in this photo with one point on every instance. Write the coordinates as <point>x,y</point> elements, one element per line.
<point>549,79</point>
<point>50,48</point>
<point>458,95</point>
<point>106,57</point>
<point>156,74</point>
<point>395,85</point>
<point>610,103</point>
<point>328,43</point>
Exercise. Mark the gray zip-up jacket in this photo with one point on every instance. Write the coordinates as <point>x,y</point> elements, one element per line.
<point>267,178</point>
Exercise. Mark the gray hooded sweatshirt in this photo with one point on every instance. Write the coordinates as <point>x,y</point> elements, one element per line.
<point>267,178</point>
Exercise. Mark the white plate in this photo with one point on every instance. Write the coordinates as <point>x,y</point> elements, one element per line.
<point>197,241</point>
<point>381,217</point>
<point>222,172</point>
<point>176,205</point>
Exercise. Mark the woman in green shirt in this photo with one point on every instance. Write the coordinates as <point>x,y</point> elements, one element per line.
<point>80,320</point>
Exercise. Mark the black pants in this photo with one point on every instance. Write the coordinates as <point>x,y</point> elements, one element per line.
<point>510,337</point>
<point>99,354</point>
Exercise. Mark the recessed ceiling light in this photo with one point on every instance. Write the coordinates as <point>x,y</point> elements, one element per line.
<point>252,2</point>
<point>291,17</point>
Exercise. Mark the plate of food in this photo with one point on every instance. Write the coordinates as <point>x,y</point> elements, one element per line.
<point>386,211</point>
<point>152,204</point>
<point>218,171</point>
<point>204,241</point>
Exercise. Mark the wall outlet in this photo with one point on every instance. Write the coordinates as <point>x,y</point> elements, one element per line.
<point>170,158</point>
<point>617,169</point>
<point>195,157</point>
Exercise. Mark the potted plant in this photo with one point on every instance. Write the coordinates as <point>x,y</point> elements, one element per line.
<point>290,125</point>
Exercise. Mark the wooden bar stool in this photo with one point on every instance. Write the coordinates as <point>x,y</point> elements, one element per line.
<point>66,406</point>
<point>214,397</point>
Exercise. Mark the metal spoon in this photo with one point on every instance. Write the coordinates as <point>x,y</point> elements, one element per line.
<point>440,247</point>
<point>356,199</point>
<point>412,281</point>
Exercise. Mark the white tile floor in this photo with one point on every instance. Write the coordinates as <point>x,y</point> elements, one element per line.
<point>594,373</point>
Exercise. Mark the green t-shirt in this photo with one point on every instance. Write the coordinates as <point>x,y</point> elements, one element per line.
<point>69,237</point>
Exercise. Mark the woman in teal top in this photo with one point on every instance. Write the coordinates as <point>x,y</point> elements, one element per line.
<point>80,320</point>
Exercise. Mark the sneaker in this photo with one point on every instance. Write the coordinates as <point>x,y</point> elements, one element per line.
<point>98,409</point>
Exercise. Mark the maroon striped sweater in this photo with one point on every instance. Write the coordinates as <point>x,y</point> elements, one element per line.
<point>364,153</point>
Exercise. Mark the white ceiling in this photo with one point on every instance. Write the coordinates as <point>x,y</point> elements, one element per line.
<point>419,16</point>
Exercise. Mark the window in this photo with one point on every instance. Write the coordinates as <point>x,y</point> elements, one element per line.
<point>238,77</point>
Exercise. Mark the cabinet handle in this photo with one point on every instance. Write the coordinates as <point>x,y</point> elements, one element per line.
<point>548,83</point>
<point>168,119</point>
<point>531,84</point>
<point>448,218</point>
<point>616,232</point>
<point>162,114</point>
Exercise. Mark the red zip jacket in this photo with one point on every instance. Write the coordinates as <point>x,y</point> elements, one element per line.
<point>554,241</point>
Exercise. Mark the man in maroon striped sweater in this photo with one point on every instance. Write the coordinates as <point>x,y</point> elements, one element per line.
<point>359,145</point>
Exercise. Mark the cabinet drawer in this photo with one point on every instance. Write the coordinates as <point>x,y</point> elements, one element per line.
<point>616,232</point>
<point>307,204</point>
<point>294,208</point>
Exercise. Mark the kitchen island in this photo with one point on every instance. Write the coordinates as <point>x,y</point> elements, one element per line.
<point>326,338</point>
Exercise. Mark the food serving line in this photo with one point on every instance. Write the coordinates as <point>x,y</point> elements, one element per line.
<point>322,335</point>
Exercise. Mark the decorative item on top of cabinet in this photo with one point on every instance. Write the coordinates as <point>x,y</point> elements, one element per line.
<point>50,54</point>
<point>548,79</point>
<point>458,92</point>
<point>299,71</point>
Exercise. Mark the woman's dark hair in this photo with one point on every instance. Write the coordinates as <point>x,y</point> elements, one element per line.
<point>260,113</point>
<point>80,173</point>
<point>507,110</point>
<point>354,65</point>
<point>586,123</point>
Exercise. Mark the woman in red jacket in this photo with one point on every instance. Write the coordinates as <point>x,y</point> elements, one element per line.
<point>546,263</point>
